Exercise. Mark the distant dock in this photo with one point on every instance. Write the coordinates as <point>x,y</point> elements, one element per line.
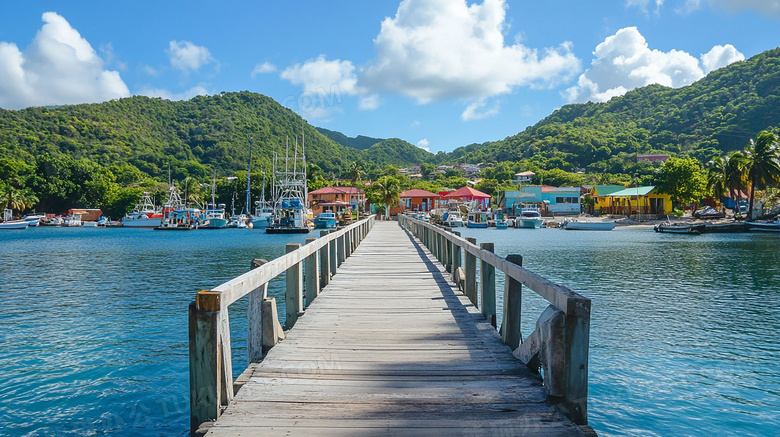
<point>389,345</point>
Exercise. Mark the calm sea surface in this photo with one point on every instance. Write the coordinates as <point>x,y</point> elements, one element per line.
<point>685,331</point>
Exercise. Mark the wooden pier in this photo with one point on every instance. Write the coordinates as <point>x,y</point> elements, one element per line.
<point>390,345</point>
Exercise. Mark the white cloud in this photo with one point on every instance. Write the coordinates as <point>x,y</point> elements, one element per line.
<point>58,67</point>
<point>187,56</point>
<point>624,62</point>
<point>198,90</point>
<point>720,56</point>
<point>477,111</point>
<point>765,7</point>
<point>423,144</point>
<point>438,49</point>
<point>263,68</point>
<point>321,74</point>
<point>369,103</point>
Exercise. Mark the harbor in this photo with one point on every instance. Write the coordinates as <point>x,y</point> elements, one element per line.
<point>691,345</point>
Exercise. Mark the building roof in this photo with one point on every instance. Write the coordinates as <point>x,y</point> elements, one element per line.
<point>525,173</point>
<point>607,190</point>
<point>470,193</point>
<point>338,190</point>
<point>636,191</point>
<point>417,193</point>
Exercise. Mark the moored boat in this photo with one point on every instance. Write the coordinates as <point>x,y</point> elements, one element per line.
<point>290,192</point>
<point>74,219</point>
<point>34,219</point>
<point>476,219</point>
<point>9,223</point>
<point>325,220</point>
<point>680,228</point>
<point>573,225</point>
<point>530,218</point>
<point>763,226</point>
<point>144,215</point>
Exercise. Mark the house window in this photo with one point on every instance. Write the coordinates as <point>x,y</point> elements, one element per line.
<point>567,200</point>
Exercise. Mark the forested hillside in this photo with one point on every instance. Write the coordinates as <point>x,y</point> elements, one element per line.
<point>359,142</point>
<point>719,113</point>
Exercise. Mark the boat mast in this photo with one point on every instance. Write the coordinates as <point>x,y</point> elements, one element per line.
<point>248,175</point>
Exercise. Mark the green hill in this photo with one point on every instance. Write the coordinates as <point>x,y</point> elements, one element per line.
<point>191,136</point>
<point>359,142</point>
<point>720,112</point>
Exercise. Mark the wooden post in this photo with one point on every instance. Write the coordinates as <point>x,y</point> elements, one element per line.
<point>324,263</point>
<point>471,273</point>
<point>272,329</point>
<point>513,304</point>
<point>332,255</point>
<point>311,275</point>
<point>577,345</point>
<point>254,312</point>
<point>341,249</point>
<point>447,255</point>
<point>294,295</point>
<point>347,244</point>
<point>204,367</point>
<point>456,255</point>
<point>488,288</point>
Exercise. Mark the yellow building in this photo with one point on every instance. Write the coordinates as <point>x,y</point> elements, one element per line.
<point>638,200</point>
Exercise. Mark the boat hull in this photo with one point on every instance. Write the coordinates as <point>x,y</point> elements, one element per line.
<point>531,223</point>
<point>589,226</point>
<point>763,226</point>
<point>283,230</point>
<point>215,223</point>
<point>680,229</point>
<point>15,224</point>
<point>142,223</point>
<point>477,225</point>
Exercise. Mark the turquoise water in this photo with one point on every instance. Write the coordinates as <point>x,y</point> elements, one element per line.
<point>684,332</point>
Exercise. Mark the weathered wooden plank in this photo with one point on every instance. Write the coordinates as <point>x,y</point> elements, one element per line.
<point>294,290</point>
<point>391,347</point>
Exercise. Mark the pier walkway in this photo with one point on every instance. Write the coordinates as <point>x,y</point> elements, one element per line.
<point>391,347</point>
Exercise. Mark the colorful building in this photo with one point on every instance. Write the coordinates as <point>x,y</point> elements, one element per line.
<point>417,200</point>
<point>637,200</point>
<point>468,194</point>
<point>335,199</point>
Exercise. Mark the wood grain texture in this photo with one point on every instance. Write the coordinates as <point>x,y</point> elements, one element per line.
<point>392,348</point>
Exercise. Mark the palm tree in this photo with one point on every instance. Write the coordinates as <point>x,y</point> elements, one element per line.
<point>389,190</point>
<point>191,189</point>
<point>15,198</point>
<point>735,175</point>
<point>764,163</point>
<point>716,176</point>
<point>356,171</point>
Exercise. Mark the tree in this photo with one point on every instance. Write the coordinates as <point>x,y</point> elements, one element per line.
<point>191,189</point>
<point>736,175</point>
<point>388,190</point>
<point>356,171</point>
<point>763,163</point>
<point>14,198</point>
<point>716,176</point>
<point>683,179</point>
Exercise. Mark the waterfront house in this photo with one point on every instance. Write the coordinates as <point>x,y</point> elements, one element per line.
<point>548,200</point>
<point>636,200</point>
<point>600,195</point>
<point>335,199</point>
<point>417,200</point>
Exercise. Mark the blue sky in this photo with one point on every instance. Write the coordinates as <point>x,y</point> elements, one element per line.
<point>437,73</point>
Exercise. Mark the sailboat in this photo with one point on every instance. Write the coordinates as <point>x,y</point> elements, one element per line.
<point>244,220</point>
<point>290,192</point>
<point>214,217</point>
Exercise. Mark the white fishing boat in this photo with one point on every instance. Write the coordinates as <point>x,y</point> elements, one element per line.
<point>214,215</point>
<point>453,217</point>
<point>573,225</point>
<point>476,219</point>
<point>74,219</point>
<point>530,218</point>
<point>145,214</point>
<point>34,219</point>
<point>325,220</point>
<point>176,216</point>
<point>10,223</point>
<point>290,193</point>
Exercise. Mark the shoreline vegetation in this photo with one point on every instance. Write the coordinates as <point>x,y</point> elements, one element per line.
<point>720,135</point>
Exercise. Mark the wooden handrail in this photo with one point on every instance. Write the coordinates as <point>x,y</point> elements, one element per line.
<point>560,342</point>
<point>211,378</point>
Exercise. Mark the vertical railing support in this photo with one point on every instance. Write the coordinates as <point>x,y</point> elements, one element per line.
<point>332,254</point>
<point>254,312</point>
<point>311,275</point>
<point>324,262</point>
<point>294,295</point>
<point>341,249</point>
<point>487,276</point>
<point>513,305</point>
<point>456,255</point>
<point>471,274</point>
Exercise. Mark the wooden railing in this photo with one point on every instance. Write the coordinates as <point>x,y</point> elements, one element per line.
<point>311,265</point>
<point>559,345</point>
